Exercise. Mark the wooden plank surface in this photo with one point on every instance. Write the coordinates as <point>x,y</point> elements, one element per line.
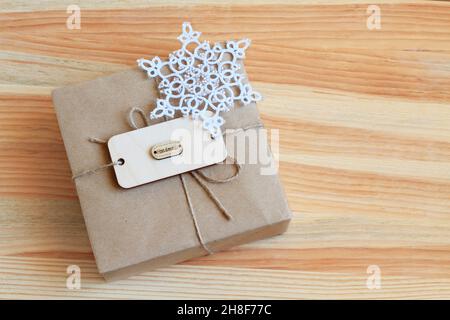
<point>364,120</point>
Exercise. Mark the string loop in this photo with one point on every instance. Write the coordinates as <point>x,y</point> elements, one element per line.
<point>131,120</point>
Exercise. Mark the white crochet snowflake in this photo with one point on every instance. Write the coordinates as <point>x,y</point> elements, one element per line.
<point>200,80</point>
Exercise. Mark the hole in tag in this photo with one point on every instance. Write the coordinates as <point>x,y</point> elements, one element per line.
<point>121,162</point>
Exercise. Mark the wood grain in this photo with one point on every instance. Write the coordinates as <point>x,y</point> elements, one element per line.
<point>363,119</point>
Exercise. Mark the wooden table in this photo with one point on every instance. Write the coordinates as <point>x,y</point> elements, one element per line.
<point>364,120</point>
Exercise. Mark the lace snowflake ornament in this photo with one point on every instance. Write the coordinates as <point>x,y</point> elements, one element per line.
<point>200,80</point>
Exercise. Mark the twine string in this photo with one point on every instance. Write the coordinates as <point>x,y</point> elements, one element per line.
<point>95,170</point>
<point>139,111</point>
<point>200,177</point>
<point>194,216</point>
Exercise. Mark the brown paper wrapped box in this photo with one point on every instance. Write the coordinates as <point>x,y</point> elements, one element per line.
<point>136,230</point>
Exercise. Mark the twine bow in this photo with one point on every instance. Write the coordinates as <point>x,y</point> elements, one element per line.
<point>200,177</point>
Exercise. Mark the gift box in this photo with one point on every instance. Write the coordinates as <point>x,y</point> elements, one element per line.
<point>138,229</point>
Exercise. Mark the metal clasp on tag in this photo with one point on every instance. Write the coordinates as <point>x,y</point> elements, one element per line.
<point>166,150</point>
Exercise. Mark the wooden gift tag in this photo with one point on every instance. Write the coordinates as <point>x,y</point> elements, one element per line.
<point>163,150</point>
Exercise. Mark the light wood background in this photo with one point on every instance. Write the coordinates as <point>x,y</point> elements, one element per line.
<point>364,120</point>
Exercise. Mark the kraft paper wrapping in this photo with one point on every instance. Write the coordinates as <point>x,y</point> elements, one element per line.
<point>135,230</point>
